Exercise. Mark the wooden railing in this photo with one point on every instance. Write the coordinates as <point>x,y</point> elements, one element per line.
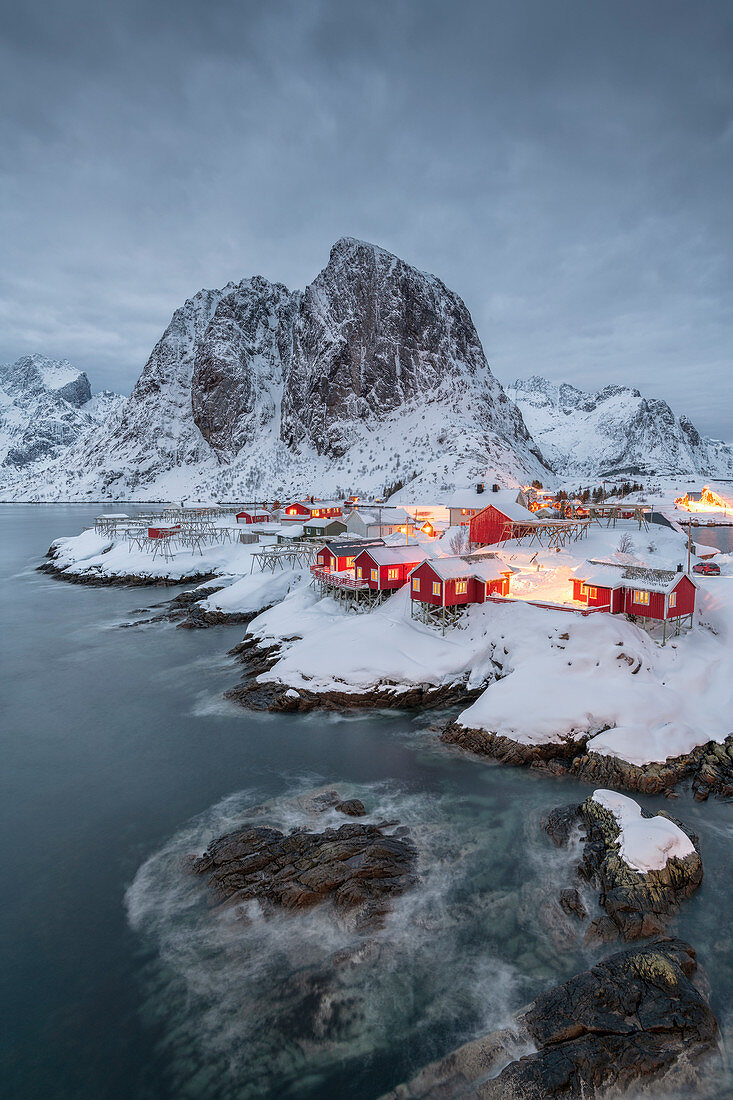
<point>338,580</point>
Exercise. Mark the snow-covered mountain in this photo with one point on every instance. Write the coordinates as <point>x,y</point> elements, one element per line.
<point>373,374</point>
<point>614,432</point>
<point>46,405</point>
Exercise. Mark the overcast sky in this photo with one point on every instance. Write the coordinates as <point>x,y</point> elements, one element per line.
<point>564,165</point>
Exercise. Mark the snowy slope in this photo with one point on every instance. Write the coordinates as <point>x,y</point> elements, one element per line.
<point>374,373</point>
<point>615,431</point>
<point>46,405</point>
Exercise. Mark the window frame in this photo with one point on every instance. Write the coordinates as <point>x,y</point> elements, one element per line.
<point>415,584</point>
<point>461,587</point>
<point>641,596</point>
<point>436,588</point>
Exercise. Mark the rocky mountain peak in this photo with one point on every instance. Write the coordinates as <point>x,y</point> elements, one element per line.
<point>374,374</point>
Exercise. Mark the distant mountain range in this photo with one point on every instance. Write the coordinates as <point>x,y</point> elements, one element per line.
<point>46,405</point>
<point>614,432</point>
<point>373,378</point>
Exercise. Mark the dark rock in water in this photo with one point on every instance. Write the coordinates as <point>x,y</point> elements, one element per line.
<point>637,905</point>
<point>572,904</point>
<point>561,823</point>
<point>354,807</point>
<point>357,867</point>
<point>628,1019</point>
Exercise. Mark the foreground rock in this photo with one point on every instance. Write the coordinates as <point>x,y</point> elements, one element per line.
<point>357,867</point>
<point>637,904</point>
<point>708,767</point>
<point>630,1019</point>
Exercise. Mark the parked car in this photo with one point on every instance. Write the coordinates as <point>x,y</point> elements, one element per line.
<point>709,568</point>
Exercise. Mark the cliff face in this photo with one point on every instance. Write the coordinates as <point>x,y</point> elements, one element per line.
<point>374,373</point>
<point>241,364</point>
<point>615,431</point>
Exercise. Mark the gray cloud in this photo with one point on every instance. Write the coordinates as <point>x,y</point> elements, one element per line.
<point>564,166</point>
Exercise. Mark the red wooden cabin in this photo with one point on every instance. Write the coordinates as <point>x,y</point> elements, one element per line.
<point>659,594</point>
<point>384,568</point>
<point>296,511</point>
<point>501,519</point>
<point>455,581</point>
<point>163,532</point>
<point>252,517</point>
<point>337,556</point>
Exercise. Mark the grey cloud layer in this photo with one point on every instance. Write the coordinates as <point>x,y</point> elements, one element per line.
<point>564,166</point>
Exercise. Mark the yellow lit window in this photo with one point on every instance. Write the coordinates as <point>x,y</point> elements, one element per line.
<point>592,593</point>
<point>316,511</point>
<point>436,588</point>
<point>641,597</point>
<point>415,584</point>
<point>673,599</point>
<point>321,559</point>
<point>375,575</point>
<point>359,572</point>
<point>461,587</point>
<point>392,574</point>
<point>349,563</point>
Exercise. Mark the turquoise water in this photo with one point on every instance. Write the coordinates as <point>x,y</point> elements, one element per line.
<point>120,757</point>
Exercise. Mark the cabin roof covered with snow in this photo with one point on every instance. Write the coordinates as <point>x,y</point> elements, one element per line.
<point>470,497</point>
<point>349,548</point>
<point>636,577</point>
<point>398,555</point>
<point>455,568</point>
<point>505,501</point>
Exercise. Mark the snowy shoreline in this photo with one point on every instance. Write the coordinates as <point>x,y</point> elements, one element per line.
<point>595,697</point>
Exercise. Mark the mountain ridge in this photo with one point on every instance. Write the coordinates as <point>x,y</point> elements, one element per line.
<point>615,431</point>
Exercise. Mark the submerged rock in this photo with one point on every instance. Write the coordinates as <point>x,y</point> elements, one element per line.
<point>628,1019</point>
<point>357,867</point>
<point>637,904</point>
<point>353,807</point>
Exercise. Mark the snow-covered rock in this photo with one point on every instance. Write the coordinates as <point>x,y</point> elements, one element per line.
<point>645,843</point>
<point>374,374</point>
<point>46,405</point>
<point>614,432</point>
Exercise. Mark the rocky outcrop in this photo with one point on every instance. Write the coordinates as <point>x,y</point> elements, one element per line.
<point>637,905</point>
<point>358,868</point>
<point>98,579</point>
<point>630,1019</point>
<point>709,767</point>
<point>269,695</point>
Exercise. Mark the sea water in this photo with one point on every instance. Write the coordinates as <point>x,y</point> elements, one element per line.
<point>120,759</point>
